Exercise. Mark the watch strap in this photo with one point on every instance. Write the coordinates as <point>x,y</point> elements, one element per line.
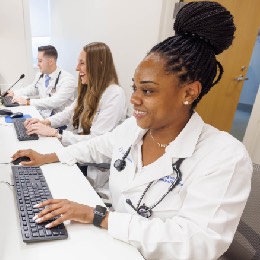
<point>99,215</point>
<point>27,101</point>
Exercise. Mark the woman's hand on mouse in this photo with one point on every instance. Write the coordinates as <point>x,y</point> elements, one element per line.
<point>36,159</point>
<point>41,129</point>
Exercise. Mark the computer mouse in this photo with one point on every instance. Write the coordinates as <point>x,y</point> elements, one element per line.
<point>5,112</point>
<point>17,115</point>
<point>21,159</point>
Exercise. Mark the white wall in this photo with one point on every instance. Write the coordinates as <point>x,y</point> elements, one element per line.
<point>15,48</point>
<point>39,14</point>
<point>252,135</point>
<point>130,28</point>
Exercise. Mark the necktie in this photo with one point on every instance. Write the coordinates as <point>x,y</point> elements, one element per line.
<point>47,80</point>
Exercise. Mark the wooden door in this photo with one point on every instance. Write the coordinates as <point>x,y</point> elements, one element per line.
<point>218,107</point>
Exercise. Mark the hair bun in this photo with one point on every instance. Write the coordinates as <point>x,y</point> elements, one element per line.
<point>206,20</point>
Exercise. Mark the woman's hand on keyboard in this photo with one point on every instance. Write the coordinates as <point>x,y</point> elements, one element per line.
<point>36,159</point>
<point>10,93</point>
<point>64,210</point>
<point>41,129</point>
<point>20,100</point>
<point>30,121</point>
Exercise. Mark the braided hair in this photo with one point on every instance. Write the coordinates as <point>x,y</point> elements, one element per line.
<point>202,30</point>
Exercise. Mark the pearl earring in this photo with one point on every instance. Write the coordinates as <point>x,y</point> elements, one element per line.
<point>186,102</point>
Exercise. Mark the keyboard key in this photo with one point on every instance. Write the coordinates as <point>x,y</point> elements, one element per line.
<point>48,232</point>
<point>42,233</point>
<point>7,101</point>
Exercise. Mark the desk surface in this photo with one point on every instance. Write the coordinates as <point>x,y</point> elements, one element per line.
<point>64,182</point>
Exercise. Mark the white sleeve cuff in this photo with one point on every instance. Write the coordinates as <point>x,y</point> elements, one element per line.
<point>69,138</point>
<point>16,93</point>
<point>65,157</point>
<point>32,102</point>
<point>118,225</point>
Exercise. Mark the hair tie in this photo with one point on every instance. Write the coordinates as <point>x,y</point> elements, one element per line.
<point>197,36</point>
<point>201,38</point>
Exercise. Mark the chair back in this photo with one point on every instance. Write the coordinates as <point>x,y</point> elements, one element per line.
<point>246,242</point>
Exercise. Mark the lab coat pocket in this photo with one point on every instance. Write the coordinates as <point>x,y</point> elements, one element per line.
<point>171,203</point>
<point>169,206</point>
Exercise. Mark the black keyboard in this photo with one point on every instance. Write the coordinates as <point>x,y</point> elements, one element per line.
<point>31,188</point>
<point>21,130</point>
<point>7,101</point>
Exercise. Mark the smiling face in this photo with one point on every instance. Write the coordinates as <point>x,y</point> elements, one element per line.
<point>46,64</point>
<point>158,98</point>
<point>82,67</point>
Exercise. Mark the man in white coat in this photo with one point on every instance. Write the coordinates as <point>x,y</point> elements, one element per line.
<point>53,89</point>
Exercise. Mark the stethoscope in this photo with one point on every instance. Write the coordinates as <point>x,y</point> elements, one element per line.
<point>144,210</point>
<point>53,90</point>
<point>38,80</point>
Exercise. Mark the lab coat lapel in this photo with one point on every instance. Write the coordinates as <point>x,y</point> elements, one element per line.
<point>128,174</point>
<point>53,76</point>
<point>185,143</point>
<point>155,173</point>
<point>182,147</point>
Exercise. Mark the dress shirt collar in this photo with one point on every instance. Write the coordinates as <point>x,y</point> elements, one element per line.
<point>185,143</point>
<point>55,73</point>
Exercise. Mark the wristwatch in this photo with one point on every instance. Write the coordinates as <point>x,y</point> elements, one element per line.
<point>99,214</point>
<point>27,101</point>
<point>59,133</point>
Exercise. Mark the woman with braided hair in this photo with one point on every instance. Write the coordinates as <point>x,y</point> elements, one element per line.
<point>178,185</point>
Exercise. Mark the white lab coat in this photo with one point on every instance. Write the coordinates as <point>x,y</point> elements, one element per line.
<point>48,102</point>
<point>111,112</point>
<point>198,219</point>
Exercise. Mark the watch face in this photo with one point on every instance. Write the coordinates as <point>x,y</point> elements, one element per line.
<point>99,210</point>
<point>99,214</point>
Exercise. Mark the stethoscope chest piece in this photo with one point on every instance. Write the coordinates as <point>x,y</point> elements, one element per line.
<point>144,211</point>
<point>120,164</point>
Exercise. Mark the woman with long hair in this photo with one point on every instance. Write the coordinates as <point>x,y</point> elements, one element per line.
<point>99,108</point>
<point>101,102</point>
